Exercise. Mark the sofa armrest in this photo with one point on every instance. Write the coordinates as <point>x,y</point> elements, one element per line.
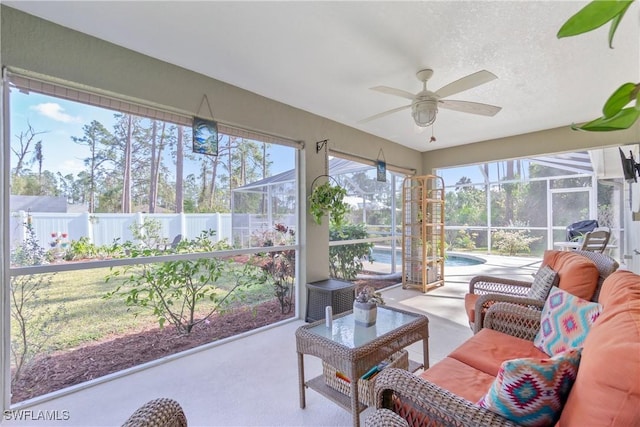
<point>498,285</point>
<point>485,302</point>
<point>431,402</point>
<point>521,320</point>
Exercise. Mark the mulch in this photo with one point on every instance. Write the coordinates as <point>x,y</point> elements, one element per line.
<point>63,369</point>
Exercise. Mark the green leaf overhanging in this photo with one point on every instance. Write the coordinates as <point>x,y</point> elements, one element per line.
<point>623,120</point>
<point>620,99</point>
<point>594,15</point>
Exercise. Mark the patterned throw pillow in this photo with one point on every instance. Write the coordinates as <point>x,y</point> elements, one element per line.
<point>565,322</point>
<point>543,281</point>
<point>532,392</point>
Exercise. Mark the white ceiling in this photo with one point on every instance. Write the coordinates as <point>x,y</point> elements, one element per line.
<point>323,57</point>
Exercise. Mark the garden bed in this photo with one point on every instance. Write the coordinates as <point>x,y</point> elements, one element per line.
<point>66,368</point>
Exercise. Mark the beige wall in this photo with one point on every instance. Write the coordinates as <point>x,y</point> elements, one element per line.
<point>39,46</point>
<point>559,140</point>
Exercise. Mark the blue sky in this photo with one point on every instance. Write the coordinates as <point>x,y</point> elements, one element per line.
<point>60,120</point>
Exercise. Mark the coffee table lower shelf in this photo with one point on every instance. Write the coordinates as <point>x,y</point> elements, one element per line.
<point>319,385</point>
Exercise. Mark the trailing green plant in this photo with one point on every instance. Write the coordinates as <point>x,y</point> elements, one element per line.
<point>616,114</point>
<point>34,319</point>
<point>280,266</point>
<point>327,199</point>
<point>346,261</point>
<point>174,290</point>
<point>513,242</point>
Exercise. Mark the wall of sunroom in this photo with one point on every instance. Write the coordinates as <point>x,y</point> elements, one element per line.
<point>35,45</point>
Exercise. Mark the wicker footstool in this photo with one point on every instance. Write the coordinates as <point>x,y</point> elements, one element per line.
<point>336,293</point>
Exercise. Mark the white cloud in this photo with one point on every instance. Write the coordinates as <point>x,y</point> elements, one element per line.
<point>70,166</point>
<point>56,112</point>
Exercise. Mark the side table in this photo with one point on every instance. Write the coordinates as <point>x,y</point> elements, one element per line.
<point>339,294</point>
<point>352,350</point>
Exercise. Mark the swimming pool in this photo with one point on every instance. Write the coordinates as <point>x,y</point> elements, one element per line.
<point>383,256</point>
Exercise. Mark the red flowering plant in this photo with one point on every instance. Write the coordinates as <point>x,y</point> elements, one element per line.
<point>280,265</point>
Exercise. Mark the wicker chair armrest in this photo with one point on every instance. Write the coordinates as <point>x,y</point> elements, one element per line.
<point>437,404</point>
<point>385,418</point>
<point>486,301</point>
<point>521,320</point>
<point>498,285</point>
<point>161,412</point>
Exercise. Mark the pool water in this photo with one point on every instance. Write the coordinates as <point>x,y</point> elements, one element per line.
<point>457,260</point>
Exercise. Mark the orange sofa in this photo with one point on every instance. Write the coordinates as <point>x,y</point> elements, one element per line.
<point>606,391</point>
<point>580,273</point>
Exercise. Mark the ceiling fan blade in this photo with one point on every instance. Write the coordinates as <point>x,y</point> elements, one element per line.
<point>469,107</point>
<point>393,91</point>
<point>385,113</point>
<point>466,83</point>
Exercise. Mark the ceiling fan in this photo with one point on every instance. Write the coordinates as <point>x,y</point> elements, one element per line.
<point>424,104</point>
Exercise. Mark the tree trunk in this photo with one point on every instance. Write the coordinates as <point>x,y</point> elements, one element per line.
<point>126,180</point>
<point>179,173</point>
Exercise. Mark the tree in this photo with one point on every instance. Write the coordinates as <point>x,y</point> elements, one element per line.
<point>100,141</point>
<point>25,141</point>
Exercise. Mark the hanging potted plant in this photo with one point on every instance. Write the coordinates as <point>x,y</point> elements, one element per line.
<point>365,306</point>
<point>327,199</point>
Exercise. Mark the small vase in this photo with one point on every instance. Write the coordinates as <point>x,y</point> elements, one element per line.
<point>365,313</point>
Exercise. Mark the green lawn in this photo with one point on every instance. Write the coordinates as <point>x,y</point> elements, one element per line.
<point>89,317</point>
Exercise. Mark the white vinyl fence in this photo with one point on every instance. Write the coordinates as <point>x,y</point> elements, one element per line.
<point>105,228</point>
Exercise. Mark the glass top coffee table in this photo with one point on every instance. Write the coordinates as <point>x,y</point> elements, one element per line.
<point>353,349</point>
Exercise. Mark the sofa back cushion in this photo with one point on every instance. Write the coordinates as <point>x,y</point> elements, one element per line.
<point>607,389</point>
<point>577,274</point>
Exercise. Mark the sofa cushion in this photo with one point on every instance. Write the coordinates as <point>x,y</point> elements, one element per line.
<point>459,378</point>
<point>487,349</point>
<point>470,305</point>
<point>565,322</point>
<point>607,389</point>
<point>532,392</point>
<point>577,274</point>
<point>544,279</point>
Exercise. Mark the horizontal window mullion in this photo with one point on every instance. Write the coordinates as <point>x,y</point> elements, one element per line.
<point>88,265</point>
<point>356,241</point>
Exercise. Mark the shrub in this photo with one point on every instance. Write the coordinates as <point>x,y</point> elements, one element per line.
<point>513,242</point>
<point>345,261</point>
<point>174,290</point>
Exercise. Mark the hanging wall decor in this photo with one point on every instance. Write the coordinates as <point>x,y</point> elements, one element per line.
<point>205,133</point>
<point>382,167</point>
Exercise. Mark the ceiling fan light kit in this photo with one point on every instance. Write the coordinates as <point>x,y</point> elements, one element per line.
<point>424,104</point>
<point>424,112</point>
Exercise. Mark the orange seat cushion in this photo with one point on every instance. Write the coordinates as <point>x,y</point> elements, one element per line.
<point>607,389</point>
<point>577,274</point>
<point>487,349</point>
<point>470,306</point>
<point>459,378</point>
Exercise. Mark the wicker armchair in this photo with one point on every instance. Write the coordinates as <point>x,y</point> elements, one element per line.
<point>397,389</point>
<point>161,412</point>
<point>498,289</point>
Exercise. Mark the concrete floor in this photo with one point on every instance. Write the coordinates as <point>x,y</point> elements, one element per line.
<point>253,381</point>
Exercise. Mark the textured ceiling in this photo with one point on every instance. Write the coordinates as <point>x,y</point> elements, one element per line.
<point>323,57</point>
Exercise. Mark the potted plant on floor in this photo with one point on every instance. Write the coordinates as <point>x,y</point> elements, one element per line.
<point>365,306</point>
